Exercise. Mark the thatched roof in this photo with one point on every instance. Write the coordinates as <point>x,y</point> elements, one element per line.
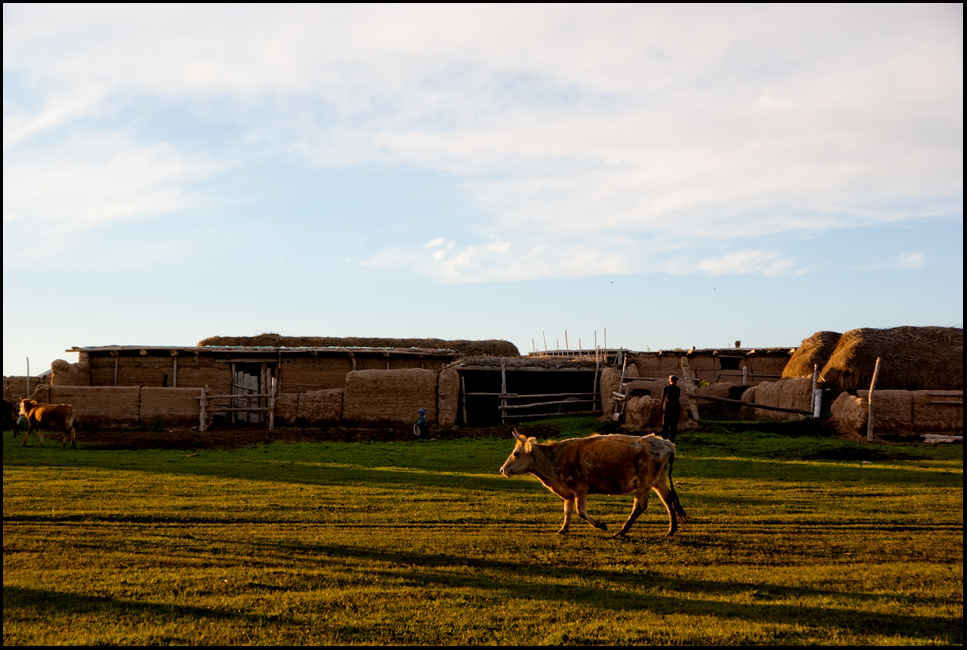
<point>816,350</point>
<point>911,358</point>
<point>496,348</point>
<point>525,363</point>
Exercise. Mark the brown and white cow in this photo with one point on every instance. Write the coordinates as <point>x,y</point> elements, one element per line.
<point>612,464</point>
<point>48,416</point>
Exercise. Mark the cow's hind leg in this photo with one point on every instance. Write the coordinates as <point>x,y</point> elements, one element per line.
<point>582,500</point>
<point>669,497</point>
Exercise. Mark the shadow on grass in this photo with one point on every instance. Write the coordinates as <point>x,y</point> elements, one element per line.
<point>621,590</point>
<point>131,612</point>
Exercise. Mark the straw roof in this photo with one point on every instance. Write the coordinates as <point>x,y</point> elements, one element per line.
<point>911,358</point>
<point>490,347</point>
<point>814,351</point>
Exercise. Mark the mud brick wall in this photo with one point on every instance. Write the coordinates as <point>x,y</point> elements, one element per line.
<point>390,396</point>
<point>448,398</point>
<point>101,405</point>
<point>320,406</point>
<point>169,406</point>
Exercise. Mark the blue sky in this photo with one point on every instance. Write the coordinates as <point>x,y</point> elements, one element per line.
<point>675,175</point>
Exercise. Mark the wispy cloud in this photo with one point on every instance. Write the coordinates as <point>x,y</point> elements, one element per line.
<point>568,126</point>
<point>746,262</point>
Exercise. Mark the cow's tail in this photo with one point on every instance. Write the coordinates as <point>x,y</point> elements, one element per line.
<point>674,502</point>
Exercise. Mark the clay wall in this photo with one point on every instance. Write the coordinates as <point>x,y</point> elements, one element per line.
<point>321,406</point>
<point>15,388</point>
<point>315,373</point>
<point>448,398</point>
<point>159,371</point>
<point>712,368</point>
<point>101,405</point>
<point>390,396</point>
<point>900,412</point>
<point>170,407</point>
<point>787,393</point>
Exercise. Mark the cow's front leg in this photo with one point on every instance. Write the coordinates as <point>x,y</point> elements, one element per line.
<point>583,512</point>
<point>636,510</point>
<point>568,510</point>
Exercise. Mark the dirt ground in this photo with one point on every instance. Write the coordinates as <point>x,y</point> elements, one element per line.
<point>231,438</point>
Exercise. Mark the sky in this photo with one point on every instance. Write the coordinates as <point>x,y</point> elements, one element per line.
<point>656,176</point>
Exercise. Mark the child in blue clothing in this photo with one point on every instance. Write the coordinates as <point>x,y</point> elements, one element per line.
<point>420,428</point>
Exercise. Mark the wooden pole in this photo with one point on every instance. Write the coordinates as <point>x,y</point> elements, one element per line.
<point>817,394</point>
<point>745,375</point>
<point>202,414</point>
<point>503,392</point>
<point>689,388</point>
<point>545,341</point>
<point>869,417</point>
<point>597,364</point>
<point>463,397</point>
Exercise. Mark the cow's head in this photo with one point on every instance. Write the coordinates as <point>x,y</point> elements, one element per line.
<point>26,405</point>
<point>521,460</point>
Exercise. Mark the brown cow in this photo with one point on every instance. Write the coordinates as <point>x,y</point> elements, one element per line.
<point>46,416</point>
<point>614,464</point>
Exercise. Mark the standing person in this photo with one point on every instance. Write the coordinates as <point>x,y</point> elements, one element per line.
<point>671,408</point>
<point>420,428</point>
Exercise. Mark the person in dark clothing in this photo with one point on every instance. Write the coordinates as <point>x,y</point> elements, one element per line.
<point>671,408</point>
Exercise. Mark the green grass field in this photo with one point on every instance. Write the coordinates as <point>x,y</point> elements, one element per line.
<point>794,539</point>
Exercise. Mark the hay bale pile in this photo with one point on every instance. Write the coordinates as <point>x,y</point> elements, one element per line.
<point>816,350</point>
<point>911,358</point>
<point>491,347</point>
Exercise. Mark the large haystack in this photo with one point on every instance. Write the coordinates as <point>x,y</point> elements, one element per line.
<point>911,358</point>
<point>492,347</point>
<point>816,350</point>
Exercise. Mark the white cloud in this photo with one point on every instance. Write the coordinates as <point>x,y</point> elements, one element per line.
<point>569,126</point>
<point>94,180</point>
<point>746,262</point>
<point>910,261</point>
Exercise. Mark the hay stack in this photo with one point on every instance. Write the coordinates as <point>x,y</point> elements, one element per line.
<point>911,358</point>
<point>816,350</point>
<point>491,347</point>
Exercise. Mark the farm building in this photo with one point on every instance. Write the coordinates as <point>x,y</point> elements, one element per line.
<point>272,380</point>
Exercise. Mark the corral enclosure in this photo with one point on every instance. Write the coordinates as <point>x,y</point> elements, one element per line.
<point>271,380</point>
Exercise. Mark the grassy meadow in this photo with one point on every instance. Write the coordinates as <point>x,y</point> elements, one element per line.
<point>794,539</point>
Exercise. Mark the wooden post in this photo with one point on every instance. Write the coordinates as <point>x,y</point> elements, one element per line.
<point>745,375</point>
<point>463,397</point>
<point>272,403</point>
<point>503,392</point>
<point>202,412</point>
<point>869,417</point>
<point>597,364</point>
<point>817,394</point>
<point>689,388</point>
